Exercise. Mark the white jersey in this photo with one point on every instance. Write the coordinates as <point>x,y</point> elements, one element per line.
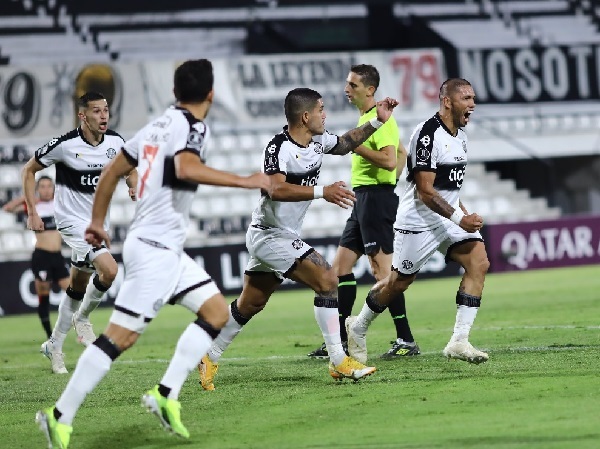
<point>164,201</point>
<point>45,210</point>
<point>432,148</point>
<point>301,165</point>
<point>78,167</point>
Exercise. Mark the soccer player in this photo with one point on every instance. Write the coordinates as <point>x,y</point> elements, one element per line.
<point>169,153</point>
<point>79,157</point>
<point>47,262</point>
<point>432,218</point>
<point>376,165</point>
<point>292,159</point>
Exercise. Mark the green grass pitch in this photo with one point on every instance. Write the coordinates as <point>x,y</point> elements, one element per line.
<point>540,389</point>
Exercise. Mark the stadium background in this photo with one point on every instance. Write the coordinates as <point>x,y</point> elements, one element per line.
<point>534,140</point>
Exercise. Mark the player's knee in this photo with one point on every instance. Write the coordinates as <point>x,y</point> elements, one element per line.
<point>108,274</point>
<point>482,265</point>
<point>327,284</point>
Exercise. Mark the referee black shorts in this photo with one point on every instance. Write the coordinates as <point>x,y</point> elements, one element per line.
<point>48,265</point>
<point>371,224</point>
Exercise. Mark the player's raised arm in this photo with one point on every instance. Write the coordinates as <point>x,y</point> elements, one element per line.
<point>353,138</point>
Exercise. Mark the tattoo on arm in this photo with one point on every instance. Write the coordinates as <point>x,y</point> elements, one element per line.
<point>353,138</point>
<point>440,206</point>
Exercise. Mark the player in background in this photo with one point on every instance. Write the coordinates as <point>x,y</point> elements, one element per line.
<point>432,218</point>
<point>47,262</point>
<point>376,165</point>
<point>292,159</point>
<point>79,157</point>
<point>169,153</point>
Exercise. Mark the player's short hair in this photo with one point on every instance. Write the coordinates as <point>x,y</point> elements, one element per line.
<point>84,100</point>
<point>193,80</point>
<point>298,101</point>
<point>451,85</point>
<point>369,75</point>
<point>42,178</point>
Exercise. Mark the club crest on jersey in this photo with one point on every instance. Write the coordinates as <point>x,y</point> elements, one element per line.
<point>464,145</point>
<point>423,154</point>
<point>271,149</point>
<point>157,305</point>
<point>297,244</point>
<point>318,148</point>
<point>195,139</point>
<point>407,264</point>
<point>111,153</point>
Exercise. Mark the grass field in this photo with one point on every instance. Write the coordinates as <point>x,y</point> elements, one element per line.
<point>540,389</point>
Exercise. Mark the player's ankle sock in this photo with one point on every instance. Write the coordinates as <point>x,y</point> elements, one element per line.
<point>93,295</point>
<point>346,298</point>
<point>233,327</point>
<point>466,311</point>
<point>67,307</point>
<point>326,314</point>
<point>191,347</point>
<point>44,313</point>
<point>93,364</point>
<point>370,310</point>
<point>397,309</point>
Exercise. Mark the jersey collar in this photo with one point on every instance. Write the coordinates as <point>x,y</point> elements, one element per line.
<point>80,132</point>
<point>287,134</point>
<point>443,125</point>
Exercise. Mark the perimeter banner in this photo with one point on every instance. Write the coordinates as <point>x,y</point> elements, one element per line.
<point>224,263</point>
<point>38,103</point>
<point>544,244</point>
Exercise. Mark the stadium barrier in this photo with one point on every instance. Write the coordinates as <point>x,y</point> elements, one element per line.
<point>224,263</point>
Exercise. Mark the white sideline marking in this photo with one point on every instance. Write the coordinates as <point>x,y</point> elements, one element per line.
<point>439,352</point>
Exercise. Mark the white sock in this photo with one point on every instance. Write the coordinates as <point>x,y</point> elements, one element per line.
<point>191,347</point>
<point>222,342</point>
<point>465,316</point>
<point>329,323</point>
<point>92,366</point>
<point>92,298</point>
<point>66,309</point>
<point>364,320</point>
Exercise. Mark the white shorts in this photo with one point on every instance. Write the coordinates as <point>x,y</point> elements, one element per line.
<point>412,249</point>
<point>82,253</point>
<point>274,250</point>
<point>154,276</point>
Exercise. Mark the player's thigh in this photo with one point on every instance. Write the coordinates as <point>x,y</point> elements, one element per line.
<point>105,265</point>
<point>376,217</point>
<point>151,276</point>
<point>314,271</point>
<point>462,246</point>
<point>274,250</point>
<point>412,250</point>
<point>381,264</point>
<point>194,286</point>
<point>258,288</point>
<point>82,253</point>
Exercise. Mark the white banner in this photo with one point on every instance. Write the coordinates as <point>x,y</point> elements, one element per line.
<point>36,103</point>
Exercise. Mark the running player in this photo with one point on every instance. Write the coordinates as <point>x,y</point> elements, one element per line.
<point>432,218</point>
<point>292,159</point>
<point>79,157</point>
<point>169,153</point>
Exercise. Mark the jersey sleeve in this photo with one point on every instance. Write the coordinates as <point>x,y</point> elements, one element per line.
<point>275,158</point>
<point>423,149</point>
<point>130,149</point>
<point>50,154</point>
<point>192,137</point>
<point>328,141</point>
